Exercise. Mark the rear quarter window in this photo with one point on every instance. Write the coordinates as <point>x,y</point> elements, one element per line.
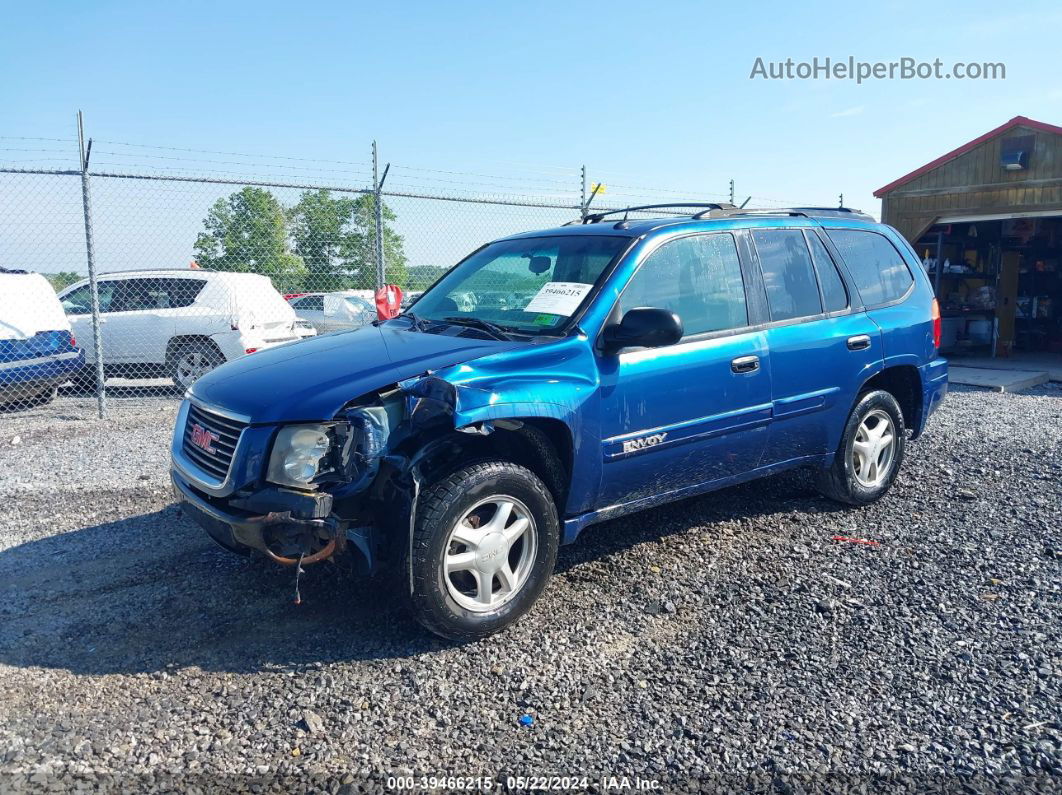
<point>878,268</point>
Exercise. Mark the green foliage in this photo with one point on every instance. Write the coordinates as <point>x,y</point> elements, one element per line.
<point>423,276</point>
<point>324,242</point>
<point>247,232</point>
<point>62,279</point>
<point>320,232</point>
<point>359,251</point>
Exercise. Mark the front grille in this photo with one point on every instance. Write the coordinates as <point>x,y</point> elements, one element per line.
<point>227,431</point>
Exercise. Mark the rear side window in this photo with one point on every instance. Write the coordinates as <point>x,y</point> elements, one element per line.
<point>698,278</point>
<point>879,271</point>
<point>834,294</point>
<point>141,294</point>
<point>787,273</point>
<point>311,303</point>
<point>180,292</point>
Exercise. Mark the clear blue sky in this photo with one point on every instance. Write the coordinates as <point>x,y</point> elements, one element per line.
<point>645,94</point>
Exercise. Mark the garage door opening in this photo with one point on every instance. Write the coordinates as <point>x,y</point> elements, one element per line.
<point>999,284</point>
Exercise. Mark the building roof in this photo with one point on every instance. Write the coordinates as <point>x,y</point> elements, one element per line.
<point>1017,121</point>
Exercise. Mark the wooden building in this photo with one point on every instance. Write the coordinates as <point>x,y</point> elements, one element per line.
<point>986,219</point>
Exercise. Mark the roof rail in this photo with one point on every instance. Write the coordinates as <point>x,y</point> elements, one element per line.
<point>594,218</point>
<point>161,269</point>
<point>800,212</point>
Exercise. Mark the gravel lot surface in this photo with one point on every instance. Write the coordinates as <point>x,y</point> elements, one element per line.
<point>725,639</point>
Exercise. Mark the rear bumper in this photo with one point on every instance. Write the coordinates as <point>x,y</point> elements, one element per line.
<point>27,377</point>
<point>235,344</point>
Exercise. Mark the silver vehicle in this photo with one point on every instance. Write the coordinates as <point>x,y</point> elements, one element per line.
<point>335,311</point>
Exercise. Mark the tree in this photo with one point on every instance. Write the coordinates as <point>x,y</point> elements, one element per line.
<point>359,248</point>
<point>62,279</point>
<point>423,276</point>
<point>247,232</point>
<point>321,233</point>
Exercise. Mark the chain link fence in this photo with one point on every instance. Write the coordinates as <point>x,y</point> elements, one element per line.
<point>129,271</point>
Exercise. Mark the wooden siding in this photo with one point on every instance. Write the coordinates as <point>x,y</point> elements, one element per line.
<point>974,183</point>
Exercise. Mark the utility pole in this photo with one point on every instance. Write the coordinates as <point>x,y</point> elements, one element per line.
<point>731,191</point>
<point>841,200</point>
<point>84,151</point>
<point>377,181</point>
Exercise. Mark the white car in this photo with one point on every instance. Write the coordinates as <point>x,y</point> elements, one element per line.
<point>178,323</point>
<point>327,312</point>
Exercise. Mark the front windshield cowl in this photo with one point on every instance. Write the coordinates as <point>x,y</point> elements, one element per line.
<point>522,287</point>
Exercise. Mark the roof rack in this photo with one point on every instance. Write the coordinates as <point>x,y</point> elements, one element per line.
<point>594,218</point>
<point>799,212</point>
<point>707,210</point>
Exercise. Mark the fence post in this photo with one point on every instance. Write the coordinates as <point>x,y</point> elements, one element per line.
<point>90,255</point>
<point>381,275</point>
<point>582,196</point>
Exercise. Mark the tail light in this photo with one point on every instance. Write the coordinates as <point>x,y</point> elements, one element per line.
<point>73,341</point>
<point>935,315</point>
<point>250,350</point>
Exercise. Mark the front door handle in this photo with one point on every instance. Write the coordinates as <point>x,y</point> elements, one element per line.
<point>745,364</point>
<point>860,342</point>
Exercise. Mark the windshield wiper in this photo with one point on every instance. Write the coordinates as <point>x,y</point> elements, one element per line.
<point>416,322</point>
<point>496,331</point>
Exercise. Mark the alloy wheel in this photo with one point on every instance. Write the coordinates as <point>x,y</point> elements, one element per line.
<point>191,366</point>
<point>874,449</point>
<point>490,553</point>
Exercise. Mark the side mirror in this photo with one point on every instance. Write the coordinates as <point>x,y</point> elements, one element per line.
<point>643,327</point>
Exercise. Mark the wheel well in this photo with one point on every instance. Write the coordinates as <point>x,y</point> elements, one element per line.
<point>177,343</point>
<point>905,384</point>
<point>542,445</point>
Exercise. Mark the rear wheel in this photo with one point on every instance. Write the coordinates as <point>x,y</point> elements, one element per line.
<point>190,361</point>
<point>870,453</point>
<point>484,546</point>
<point>84,380</point>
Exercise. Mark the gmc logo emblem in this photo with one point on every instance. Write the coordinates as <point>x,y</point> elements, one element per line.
<point>204,439</point>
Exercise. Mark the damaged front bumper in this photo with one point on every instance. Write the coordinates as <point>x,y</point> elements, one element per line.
<point>281,535</point>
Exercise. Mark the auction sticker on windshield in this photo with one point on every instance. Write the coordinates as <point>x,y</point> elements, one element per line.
<point>558,298</point>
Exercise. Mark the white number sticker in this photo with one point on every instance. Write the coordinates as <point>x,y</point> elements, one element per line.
<point>558,298</point>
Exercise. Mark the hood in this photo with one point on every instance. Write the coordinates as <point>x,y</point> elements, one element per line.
<point>315,378</point>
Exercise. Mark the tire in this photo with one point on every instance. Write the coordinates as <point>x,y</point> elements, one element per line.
<point>856,478</point>
<point>29,401</point>
<point>45,397</point>
<point>453,525</point>
<point>84,380</point>
<point>189,361</point>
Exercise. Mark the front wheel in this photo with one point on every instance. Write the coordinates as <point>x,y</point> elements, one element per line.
<point>870,453</point>
<point>484,546</point>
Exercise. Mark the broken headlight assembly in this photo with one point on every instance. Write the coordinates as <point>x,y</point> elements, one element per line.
<point>303,455</point>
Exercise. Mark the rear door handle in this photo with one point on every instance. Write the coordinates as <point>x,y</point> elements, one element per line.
<point>860,342</point>
<point>745,364</point>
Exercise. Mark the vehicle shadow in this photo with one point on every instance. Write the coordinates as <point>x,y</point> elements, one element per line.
<point>152,592</point>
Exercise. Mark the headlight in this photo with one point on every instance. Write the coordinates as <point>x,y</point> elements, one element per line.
<point>299,454</point>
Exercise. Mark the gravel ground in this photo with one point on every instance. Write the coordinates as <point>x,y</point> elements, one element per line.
<point>725,639</point>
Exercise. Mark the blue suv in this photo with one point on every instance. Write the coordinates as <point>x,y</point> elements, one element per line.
<point>559,378</point>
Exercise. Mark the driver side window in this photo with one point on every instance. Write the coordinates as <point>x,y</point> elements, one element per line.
<point>698,278</point>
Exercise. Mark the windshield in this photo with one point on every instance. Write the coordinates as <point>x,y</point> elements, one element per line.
<point>531,285</point>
